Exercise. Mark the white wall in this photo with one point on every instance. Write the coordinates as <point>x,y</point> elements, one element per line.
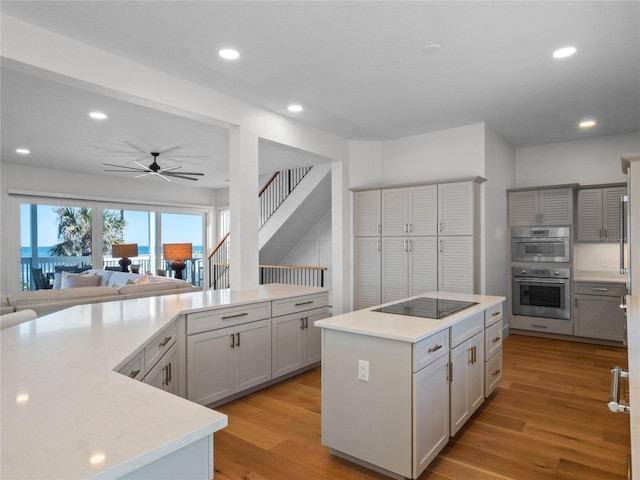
<point>594,160</point>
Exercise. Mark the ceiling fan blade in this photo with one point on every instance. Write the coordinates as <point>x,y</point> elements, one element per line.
<point>143,166</point>
<point>164,177</point>
<point>143,175</point>
<point>178,175</point>
<point>135,147</point>
<point>171,168</point>
<point>123,166</point>
<point>170,149</point>
<point>122,171</point>
<point>192,173</point>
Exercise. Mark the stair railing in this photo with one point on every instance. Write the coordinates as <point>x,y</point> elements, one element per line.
<point>218,260</point>
<point>277,189</point>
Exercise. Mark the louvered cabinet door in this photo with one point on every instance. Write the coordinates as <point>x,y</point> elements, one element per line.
<point>590,215</point>
<point>394,212</point>
<point>455,209</point>
<point>523,208</point>
<point>367,213</point>
<point>423,211</point>
<point>611,212</point>
<point>556,207</point>
<point>423,265</point>
<point>395,268</point>
<point>367,272</point>
<point>456,264</point>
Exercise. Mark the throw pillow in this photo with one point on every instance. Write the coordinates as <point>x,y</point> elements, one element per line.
<point>142,280</point>
<point>57,281</point>
<point>79,280</point>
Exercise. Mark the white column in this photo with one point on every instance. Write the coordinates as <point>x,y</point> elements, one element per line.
<point>342,275</point>
<point>243,203</point>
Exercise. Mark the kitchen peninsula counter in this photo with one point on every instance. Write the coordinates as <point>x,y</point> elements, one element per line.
<point>66,414</point>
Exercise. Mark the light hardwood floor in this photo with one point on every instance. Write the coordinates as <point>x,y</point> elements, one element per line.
<point>547,420</point>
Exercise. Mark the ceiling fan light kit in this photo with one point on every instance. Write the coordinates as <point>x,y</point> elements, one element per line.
<point>155,169</point>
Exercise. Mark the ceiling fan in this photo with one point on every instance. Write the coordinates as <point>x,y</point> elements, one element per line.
<point>154,169</point>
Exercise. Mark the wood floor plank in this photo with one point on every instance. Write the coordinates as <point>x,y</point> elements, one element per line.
<point>547,420</point>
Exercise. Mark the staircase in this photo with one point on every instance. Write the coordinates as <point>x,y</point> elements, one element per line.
<point>281,224</point>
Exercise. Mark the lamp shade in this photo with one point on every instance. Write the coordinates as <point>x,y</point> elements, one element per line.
<point>177,251</point>
<point>124,250</point>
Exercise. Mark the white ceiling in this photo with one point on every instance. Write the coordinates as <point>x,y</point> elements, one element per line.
<point>358,68</point>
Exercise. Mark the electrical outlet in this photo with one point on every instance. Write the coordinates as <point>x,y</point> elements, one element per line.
<point>363,370</point>
<point>603,262</point>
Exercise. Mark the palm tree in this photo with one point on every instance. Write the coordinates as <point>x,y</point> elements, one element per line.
<point>74,229</point>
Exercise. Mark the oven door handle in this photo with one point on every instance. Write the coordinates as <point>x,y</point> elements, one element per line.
<point>540,240</point>
<point>528,280</point>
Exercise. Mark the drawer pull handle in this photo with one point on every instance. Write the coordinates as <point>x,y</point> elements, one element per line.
<point>233,337</point>
<point>304,303</point>
<point>435,349</point>
<point>496,373</point>
<point>496,339</point>
<point>599,289</point>
<point>227,317</point>
<point>539,326</point>
<point>495,314</point>
<point>164,342</point>
<point>134,373</point>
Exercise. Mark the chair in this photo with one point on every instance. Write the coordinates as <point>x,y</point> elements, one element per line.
<point>40,280</point>
<point>60,269</point>
<point>135,268</point>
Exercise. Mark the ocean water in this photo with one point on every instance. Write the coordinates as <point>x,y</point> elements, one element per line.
<point>142,250</point>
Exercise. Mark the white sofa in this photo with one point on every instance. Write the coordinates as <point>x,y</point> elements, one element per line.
<point>106,285</point>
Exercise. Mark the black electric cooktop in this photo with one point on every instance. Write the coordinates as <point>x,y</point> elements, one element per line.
<point>426,307</point>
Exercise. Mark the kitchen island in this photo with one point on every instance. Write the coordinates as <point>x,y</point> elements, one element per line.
<point>68,412</point>
<point>395,387</point>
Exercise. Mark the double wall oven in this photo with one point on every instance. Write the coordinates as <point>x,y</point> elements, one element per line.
<point>541,280</point>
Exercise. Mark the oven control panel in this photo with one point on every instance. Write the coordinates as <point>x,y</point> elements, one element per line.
<point>540,272</point>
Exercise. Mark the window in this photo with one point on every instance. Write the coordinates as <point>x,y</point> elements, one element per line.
<point>137,227</point>
<point>185,228</point>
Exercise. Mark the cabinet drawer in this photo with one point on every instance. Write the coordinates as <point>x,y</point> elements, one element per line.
<point>545,325</point>
<point>299,304</point>
<point>493,314</point>
<point>134,368</point>
<point>608,289</point>
<point>492,374</point>
<point>466,328</point>
<point>430,349</point>
<point>227,317</point>
<point>493,339</point>
<point>159,345</point>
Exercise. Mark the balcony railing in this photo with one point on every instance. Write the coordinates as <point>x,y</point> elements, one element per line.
<point>277,189</point>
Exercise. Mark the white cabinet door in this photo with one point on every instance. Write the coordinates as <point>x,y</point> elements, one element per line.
<point>467,382</point>
<point>590,215</point>
<point>523,208</point>
<point>455,208</point>
<point>367,213</point>
<point>556,206</point>
<point>368,271</point>
<point>164,374</point>
<point>430,413</point>
<point>210,365</point>
<point>423,211</point>
<point>456,264</point>
<point>423,265</point>
<point>611,212</point>
<point>313,336</point>
<point>286,343</point>
<point>252,354</point>
<point>395,211</point>
<point>599,317</point>
<point>395,269</point>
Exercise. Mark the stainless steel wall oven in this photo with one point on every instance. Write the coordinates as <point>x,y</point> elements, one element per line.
<point>540,244</point>
<point>541,292</point>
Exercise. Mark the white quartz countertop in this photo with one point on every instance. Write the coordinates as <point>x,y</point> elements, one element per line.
<point>67,415</point>
<point>598,276</point>
<point>403,327</point>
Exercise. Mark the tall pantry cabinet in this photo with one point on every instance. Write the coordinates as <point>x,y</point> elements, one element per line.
<point>416,239</point>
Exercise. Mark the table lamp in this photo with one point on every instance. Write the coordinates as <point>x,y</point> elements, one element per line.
<point>177,252</point>
<point>124,251</point>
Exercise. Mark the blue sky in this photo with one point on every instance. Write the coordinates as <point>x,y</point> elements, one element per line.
<point>176,228</point>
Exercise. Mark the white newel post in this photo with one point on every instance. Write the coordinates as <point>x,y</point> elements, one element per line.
<point>243,203</point>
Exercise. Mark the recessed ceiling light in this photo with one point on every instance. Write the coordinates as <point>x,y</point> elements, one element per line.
<point>23,151</point>
<point>295,108</point>
<point>564,52</point>
<point>98,115</point>
<point>229,54</point>
<point>587,124</point>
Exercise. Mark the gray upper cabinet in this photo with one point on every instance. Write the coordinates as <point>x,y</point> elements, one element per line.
<point>541,207</point>
<point>456,208</point>
<point>599,214</point>
<point>410,211</point>
<point>367,213</point>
